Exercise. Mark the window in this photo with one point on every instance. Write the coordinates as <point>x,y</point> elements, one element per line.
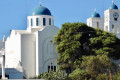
<point>48,68</point>
<point>44,22</point>
<point>118,29</point>
<point>31,22</point>
<point>113,30</point>
<point>53,68</point>
<point>49,21</point>
<point>37,22</point>
<point>97,24</point>
<point>115,19</point>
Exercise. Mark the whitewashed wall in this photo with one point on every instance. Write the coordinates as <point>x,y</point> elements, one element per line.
<point>28,50</point>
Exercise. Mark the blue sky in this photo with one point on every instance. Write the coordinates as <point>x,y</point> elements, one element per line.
<point>13,12</point>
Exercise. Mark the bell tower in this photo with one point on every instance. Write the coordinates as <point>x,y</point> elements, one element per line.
<point>112,19</point>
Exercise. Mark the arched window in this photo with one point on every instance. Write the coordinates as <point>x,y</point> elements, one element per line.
<point>97,24</point>
<point>51,67</point>
<point>113,30</point>
<point>118,31</point>
<point>37,22</point>
<point>49,21</point>
<point>44,21</point>
<point>31,22</point>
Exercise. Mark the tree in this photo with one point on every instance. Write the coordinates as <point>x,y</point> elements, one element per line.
<point>77,39</point>
<point>95,65</point>
<point>70,41</point>
<point>105,43</point>
<point>79,74</point>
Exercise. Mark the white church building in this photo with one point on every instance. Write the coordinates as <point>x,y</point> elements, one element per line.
<point>33,49</point>
<point>110,22</point>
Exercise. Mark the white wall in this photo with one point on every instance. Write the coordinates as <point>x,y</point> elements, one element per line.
<point>13,50</point>
<point>28,50</point>
<point>40,20</point>
<point>92,22</point>
<point>46,49</point>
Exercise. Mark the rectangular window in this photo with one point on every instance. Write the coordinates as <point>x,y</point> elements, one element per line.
<point>49,21</point>
<point>44,22</point>
<point>37,22</point>
<point>54,68</point>
<point>97,24</point>
<point>48,68</point>
<point>31,22</point>
<point>113,30</point>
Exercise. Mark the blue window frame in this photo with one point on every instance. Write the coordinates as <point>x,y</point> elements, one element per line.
<point>49,21</point>
<point>37,22</point>
<point>44,22</point>
<point>31,22</point>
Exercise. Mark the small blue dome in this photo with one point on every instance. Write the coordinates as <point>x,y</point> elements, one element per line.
<point>113,6</point>
<point>40,10</point>
<point>96,15</point>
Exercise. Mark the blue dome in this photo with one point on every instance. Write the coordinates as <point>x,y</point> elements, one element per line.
<point>113,6</point>
<point>96,15</point>
<point>40,10</point>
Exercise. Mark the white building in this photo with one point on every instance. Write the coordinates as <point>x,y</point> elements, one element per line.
<point>110,22</point>
<point>33,48</point>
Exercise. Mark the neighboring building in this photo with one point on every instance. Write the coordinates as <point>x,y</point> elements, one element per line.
<point>110,22</point>
<point>34,48</point>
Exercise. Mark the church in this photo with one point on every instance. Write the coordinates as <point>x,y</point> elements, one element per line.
<point>32,51</point>
<point>110,22</point>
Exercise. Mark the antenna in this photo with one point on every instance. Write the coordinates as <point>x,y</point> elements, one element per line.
<point>26,7</point>
<point>103,7</point>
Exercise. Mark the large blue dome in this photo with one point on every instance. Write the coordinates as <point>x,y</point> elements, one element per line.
<point>40,10</point>
<point>113,6</point>
<point>96,15</point>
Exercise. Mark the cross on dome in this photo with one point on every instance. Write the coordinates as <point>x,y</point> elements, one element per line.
<point>40,2</point>
<point>112,1</point>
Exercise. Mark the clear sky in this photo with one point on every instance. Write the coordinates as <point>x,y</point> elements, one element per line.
<point>13,12</point>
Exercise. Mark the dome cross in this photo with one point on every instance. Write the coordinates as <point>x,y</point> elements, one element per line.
<point>112,1</point>
<point>40,2</point>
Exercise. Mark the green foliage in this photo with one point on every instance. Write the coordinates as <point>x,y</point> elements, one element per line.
<point>105,43</point>
<point>102,77</point>
<point>79,74</point>
<point>75,40</point>
<point>59,75</point>
<point>95,65</point>
<point>70,41</point>
<point>116,76</point>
